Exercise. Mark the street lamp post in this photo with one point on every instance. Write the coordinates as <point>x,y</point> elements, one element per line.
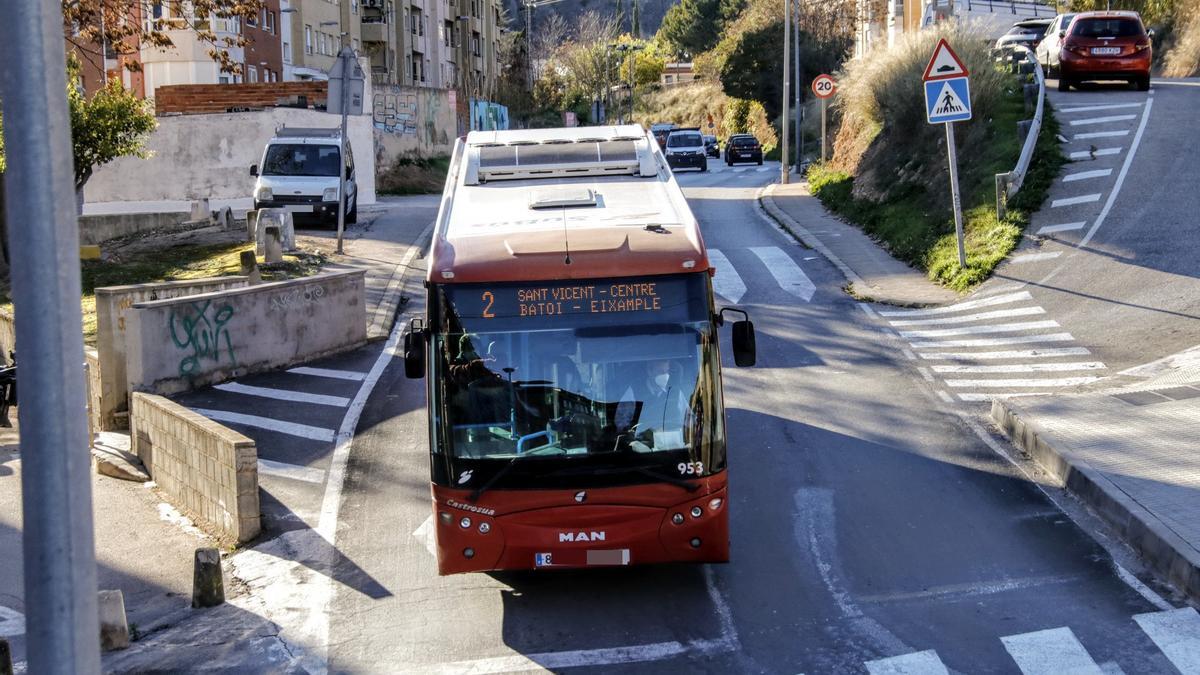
<point>785,164</point>
<point>529,5</point>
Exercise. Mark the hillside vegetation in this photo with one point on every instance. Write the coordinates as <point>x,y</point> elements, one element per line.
<point>890,173</point>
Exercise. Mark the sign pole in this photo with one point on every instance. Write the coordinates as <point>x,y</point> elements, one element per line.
<point>824,104</point>
<point>347,55</point>
<point>784,164</point>
<point>954,197</point>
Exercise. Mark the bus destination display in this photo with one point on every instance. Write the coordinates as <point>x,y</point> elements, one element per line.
<point>655,299</point>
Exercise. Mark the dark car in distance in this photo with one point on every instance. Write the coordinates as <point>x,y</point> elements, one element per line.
<point>1105,46</point>
<point>711,148</point>
<point>743,148</point>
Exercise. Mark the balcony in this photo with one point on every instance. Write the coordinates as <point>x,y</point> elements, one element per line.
<point>375,32</point>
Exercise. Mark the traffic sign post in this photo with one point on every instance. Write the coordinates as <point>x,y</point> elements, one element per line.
<point>345,98</point>
<point>824,87</point>
<point>948,100</point>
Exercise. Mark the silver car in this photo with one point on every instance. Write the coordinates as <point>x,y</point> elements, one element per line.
<point>1050,46</point>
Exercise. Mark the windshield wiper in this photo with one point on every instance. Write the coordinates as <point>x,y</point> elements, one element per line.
<point>650,471</point>
<point>690,486</point>
<point>505,469</point>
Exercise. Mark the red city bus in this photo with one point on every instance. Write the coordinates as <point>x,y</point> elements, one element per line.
<point>574,378</point>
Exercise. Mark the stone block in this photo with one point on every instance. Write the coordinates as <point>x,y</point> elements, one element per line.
<point>114,630</point>
<point>208,584</point>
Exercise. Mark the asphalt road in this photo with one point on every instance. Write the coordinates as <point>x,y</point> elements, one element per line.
<point>873,529</point>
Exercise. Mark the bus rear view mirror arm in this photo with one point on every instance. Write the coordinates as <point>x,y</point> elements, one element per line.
<point>414,349</point>
<point>744,349</point>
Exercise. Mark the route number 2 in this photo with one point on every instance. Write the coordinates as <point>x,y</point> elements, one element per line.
<point>490,300</point>
<point>690,468</point>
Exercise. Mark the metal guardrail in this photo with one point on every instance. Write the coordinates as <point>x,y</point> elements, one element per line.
<point>1007,184</point>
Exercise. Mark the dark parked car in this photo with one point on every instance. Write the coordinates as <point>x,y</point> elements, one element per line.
<point>711,148</point>
<point>1027,33</point>
<point>1105,46</point>
<point>743,148</point>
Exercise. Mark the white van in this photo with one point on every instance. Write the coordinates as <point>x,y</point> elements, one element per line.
<point>299,172</point>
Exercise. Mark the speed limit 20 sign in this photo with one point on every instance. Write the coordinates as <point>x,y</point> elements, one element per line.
<point>823,86</point>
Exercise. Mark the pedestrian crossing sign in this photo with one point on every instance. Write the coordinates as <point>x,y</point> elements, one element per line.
<point>948,100</point>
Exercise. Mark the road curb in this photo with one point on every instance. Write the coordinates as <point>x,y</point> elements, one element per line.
<point>384,316</point>
<point>1166,552</point>
<point>808,238</point>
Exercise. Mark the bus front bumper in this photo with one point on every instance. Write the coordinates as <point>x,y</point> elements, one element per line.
<point>582,535</point>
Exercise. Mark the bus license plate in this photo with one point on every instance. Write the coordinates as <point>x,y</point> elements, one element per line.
<point>613,557</point>
<point>542,560</point>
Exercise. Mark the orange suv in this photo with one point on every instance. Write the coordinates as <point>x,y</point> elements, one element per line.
<point>1105,46</point>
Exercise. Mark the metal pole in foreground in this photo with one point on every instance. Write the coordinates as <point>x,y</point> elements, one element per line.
<point>785,164</point>
<point>347,55</point>
<point>958,224</point>
<point>799,88</point>
<point>62,624</point>
<point>824,106</point>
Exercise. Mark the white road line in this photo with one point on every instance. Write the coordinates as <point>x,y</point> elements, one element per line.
<point>1102,120</point>
<point>908,354</point>
<point>1008,354</point>
<point>1112,195</point>
<point>425,534</point>
<point>1071,201</point>
<point>741,169</point>
<point>995,342</point>
<point>1034,257</point>
<point>12,622</point>
<point>1064,227</point>
<point>553,661</point>
<point>289,428</point>
<point>978,330</point>
<point>1023,368</point>
<point>1177,634</point>
<point>920,663</point>
<point>1102,134</point>
<point>726,282</point>
<point>292,471</point>
<point>988,397</point>
<point>1088,154</point>
<point>332,374</point>
<point>786,272</point>
<point>1108,106</point>
<point>1086,175</point>
<point>962,306</point>
<point>1050,382</point>
<point>1050,652</point>
<point>945,397</point>
<point>1143,590</point>
<point>867,310</point>
<point>284,395</point>
<point>925,373</point>
<point>968,318</point>
<point>762,169</point>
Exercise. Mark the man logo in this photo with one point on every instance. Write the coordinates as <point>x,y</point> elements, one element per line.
<point>581,536</point>
<point>465,476</point>
<point>581,496</point>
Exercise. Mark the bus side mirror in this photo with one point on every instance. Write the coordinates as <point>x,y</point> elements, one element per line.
<point>253,169</point>
<point>745,353</point>
<point>414,350</point>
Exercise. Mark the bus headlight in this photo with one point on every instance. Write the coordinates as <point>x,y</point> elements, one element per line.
<point>715,503</point>
<point>464,523</point>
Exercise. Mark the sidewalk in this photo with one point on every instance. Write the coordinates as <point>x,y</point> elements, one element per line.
<point>144,548</point>
<point>874,275</point>
<point>1129,451</point>
<point>388,239</point>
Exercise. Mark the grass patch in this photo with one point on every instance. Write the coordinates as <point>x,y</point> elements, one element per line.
<point>176,264</point>
<point>415,176</point>
<point>913,228</point>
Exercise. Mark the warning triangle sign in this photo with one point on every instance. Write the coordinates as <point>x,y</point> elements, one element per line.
<point>948,102</point>
<point>945,64</point>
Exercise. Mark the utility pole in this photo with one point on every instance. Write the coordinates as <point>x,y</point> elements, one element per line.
<point>62,627</point>
<point>799,89</point>
<point>785,165</point>
<point>347,56</point>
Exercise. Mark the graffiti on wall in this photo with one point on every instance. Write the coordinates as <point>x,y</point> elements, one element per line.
<point>488,116</point>
<point>410,111</point>
<point>298,298</point>
<point>199,330</point>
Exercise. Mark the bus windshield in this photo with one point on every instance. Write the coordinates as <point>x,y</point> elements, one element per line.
<point>584,373</point>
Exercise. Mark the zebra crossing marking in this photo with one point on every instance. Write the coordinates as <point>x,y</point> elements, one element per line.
<point>1177,633</point>
<point>1034,257</point>
<point>1065,227</point>
<point>1023,382</point>
<point>1005,354</point>
<point>1089,154</point>
<point>995,342</point>
<point>1050,652</point>
<point>1102,120</point>
<point>349,375</point>
<point>726,282</point>
<point>1072,201</point>
<point>917,663</point>
<point>1023,368</point>
<point>979,330</point>
<point>968,318</point>
<point>283,395</point>
<point>786,272</point>
<point>289,428</point>
<point>969,304</point>
<point>12,622</point>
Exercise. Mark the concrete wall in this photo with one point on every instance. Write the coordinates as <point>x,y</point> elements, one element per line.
<point>100,228</point>
<point>412,121</point>
<point>205,468</point>
<point>209,156</point>
<point>92,359</point>
<point>113,305</point>
<point>179,344</point>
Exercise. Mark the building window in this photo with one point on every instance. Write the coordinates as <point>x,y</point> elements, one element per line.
<point>287,52</point>
<point>354,44</point>
<point>354,6</point>
<point>252,21</point>
<point>252,72</point>
<point>308,45</point>
<point>270,22</point>
<point>224,79</point>
<point>321,43</point>
<point>475,44</point>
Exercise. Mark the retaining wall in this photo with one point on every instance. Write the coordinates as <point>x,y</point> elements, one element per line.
<point>179,344</point>
<point>99,229</point>
<point>113,305</point>
<point>205,468</point>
